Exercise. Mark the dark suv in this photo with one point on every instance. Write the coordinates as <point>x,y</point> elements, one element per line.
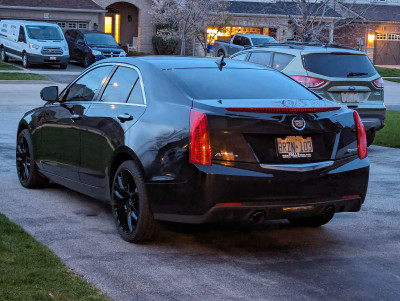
<point>88,47</point>
<point>340,74</point>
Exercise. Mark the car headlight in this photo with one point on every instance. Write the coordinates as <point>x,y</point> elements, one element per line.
<point>96,52</point>
<point>122,53</point>
<point>34,46</point>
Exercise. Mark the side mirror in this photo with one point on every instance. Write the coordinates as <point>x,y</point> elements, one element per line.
<point>49,94</point>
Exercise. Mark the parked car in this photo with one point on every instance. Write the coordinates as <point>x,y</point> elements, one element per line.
<point>195,140</point>
<point>341,74</point>
<point>88,47</point>
<point>33,43</point>
<point>239,42</point>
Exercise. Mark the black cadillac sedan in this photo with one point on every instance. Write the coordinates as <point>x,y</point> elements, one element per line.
<point>195,140</point>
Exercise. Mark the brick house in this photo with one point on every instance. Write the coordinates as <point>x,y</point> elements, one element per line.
<point>376,31</point>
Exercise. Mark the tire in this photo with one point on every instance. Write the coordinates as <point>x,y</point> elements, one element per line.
<point>25,61</point>
<point>27,170</point>
<point>130,205</point>
<point>3,56</point>
<point>64,66</point>
<point>370,138</point>
<point>315,221</point>
<point>86,61</point>
<point>220,53</point>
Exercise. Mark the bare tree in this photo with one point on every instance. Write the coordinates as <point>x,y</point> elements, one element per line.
<point>316,20</point>
<point>188,18</point>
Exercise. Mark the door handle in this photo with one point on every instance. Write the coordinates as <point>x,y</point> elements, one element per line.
<point>125,117</point>
<point>76,117</point>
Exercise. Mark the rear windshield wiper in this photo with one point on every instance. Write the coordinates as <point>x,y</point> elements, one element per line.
<point>356,74</point>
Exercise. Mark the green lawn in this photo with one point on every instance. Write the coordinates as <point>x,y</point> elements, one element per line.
<point>30,271</point>
<point>5,66</point>
<point>388,72</point>
<point>21,76</point>
<point>390,134</point>
<point>396,80</point>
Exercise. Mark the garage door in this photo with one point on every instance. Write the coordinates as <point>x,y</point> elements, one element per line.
<point>387,49</point>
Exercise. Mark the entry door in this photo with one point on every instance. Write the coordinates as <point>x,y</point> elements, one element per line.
<point>61,124</point>
<point>106,123</point>
<point>21,41</point>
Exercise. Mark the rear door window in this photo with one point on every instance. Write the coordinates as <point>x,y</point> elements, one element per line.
<point>240,57</point>
<point>245,41</point>
<point>120,85</point>
<point>339,64</point>
<point>281,61</point>
<point>262,58</point>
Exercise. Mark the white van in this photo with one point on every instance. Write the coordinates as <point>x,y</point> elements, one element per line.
<point>33,43</point>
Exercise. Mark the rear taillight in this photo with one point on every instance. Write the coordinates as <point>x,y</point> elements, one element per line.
<point>361,137</point>
<point>378,83</point>
<point>199,139</point>
<point>279,110</point>
<point>308,81</point>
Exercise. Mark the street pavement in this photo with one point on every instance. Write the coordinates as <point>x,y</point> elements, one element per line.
<point>392,95</point>
<point>355,257</point>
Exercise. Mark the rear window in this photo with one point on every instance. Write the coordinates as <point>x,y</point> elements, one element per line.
<point>339,65</point>
<point>230,83</point>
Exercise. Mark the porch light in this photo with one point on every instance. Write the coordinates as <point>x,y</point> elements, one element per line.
<point>371,37</point>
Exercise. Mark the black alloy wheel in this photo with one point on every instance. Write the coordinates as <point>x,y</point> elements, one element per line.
<point>131,210</point>
<point>23,159</point>
<point>126,201</point>
<point>27,171</point>
<point>86,61</point>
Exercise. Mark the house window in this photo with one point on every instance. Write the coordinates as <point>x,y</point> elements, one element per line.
<point>82,25</point>
<point>63,25</point>
<point>108,24</point>
<point>381,36</point>
<point>72,25</point>
<point>394,37</point>
<point>117,27</point>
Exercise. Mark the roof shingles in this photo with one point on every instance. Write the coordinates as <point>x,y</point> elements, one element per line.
<point>70,4</point>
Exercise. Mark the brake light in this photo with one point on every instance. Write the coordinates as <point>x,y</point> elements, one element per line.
<point>284,110</point>
<point>361,137</point>
<point>199,139</point>
<point>309,82</point>
<point>378,83</point>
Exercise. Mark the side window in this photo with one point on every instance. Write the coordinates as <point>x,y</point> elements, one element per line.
<point>86,88</point>
<point>21,36</point>
<point>281,61</point>
<point>245,41</point>
<point>262,58</point>
<point>120,85</point>
<point>237,40</point>
<point>136,96</point>
<point>240,57</point>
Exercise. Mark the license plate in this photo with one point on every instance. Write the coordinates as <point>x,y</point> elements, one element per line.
<point>295,147</point>
<point>53,58</point>
<point>350,97</point>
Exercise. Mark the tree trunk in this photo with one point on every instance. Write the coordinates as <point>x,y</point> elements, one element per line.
<point>183,45</point>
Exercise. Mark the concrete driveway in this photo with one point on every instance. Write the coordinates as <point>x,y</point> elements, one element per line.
<point>392,95</point>
<point>355,257</point>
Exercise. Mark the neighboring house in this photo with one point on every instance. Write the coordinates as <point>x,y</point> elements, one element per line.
<point>376,30</point>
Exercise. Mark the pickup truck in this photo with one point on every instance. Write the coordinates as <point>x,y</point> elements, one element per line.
<point>239,42</point>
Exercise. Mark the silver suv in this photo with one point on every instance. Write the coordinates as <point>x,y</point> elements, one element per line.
<point>337,73</point>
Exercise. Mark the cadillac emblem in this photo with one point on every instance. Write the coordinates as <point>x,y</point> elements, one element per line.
<point>298,123</point>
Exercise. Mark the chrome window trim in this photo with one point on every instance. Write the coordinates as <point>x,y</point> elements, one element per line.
<point>106,82</point>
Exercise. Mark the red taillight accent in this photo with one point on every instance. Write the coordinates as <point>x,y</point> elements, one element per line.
<point>228,204</point>
<point>199,139</point>
<point>351,196</point>
<point>308,81</point>
<point>284,110</point>
<point>378,83</point>
<point>361,137</point>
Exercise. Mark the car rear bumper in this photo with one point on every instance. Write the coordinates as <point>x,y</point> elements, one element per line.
<point>228,193</point>
<point>47,59</point>
<point>373,119</point>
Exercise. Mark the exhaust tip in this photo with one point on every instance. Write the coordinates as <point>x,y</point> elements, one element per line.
<point>257,217</point>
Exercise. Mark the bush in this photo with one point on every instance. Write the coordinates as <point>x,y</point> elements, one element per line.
<point>164,46</point>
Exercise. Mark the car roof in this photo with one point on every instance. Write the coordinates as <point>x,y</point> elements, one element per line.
<point>253,35</point>
<point>30,22</point>
<point>178,62</point>
<point>303,49</point>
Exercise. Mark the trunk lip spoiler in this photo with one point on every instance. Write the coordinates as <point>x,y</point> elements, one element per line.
<point>283,110</point>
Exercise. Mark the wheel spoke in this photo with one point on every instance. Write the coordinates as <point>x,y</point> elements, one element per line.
<point>26,171</point>
<point>117,194</point>
<point>129,219</point>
